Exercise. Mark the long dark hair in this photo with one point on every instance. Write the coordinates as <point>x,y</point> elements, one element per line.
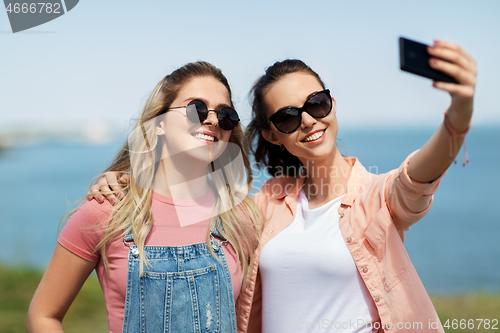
<point>272,157</point>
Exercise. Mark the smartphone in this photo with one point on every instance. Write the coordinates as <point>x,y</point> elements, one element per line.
<point>413,58</point>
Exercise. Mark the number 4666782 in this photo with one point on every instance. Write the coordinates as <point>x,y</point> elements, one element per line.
<point>471,324</point>
<point>33,8</point>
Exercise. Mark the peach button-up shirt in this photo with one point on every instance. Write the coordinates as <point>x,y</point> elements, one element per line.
<point>375,213</point>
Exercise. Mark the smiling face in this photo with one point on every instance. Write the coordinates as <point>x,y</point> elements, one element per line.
<point>315,138</point>
<point>202,141</point>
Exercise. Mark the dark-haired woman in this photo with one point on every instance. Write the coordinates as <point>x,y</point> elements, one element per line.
<point>331,255</point>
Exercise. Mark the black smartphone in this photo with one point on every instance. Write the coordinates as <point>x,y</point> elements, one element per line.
<point>413,58</point>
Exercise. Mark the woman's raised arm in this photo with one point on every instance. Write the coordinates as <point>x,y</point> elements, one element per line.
<point>60,284</point>
<point>442,148</point>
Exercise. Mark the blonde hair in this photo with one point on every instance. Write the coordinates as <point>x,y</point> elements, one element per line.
<point>241,224</point>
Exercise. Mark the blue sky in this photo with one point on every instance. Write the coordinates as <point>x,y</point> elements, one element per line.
<point>99,62</point>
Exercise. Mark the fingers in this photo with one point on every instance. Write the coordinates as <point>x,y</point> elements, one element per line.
<point>453,46</point>
<point>455,89</point>
<point>451,59</point>
<point>454,57</point>
<point>94,193</point>
<point>109,187</point>
<point>112,183</point>
<point>124,179</point>
<point>461,74</point>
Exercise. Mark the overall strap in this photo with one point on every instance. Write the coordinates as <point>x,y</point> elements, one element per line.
<point>216,232</point>
<point>128,237</point>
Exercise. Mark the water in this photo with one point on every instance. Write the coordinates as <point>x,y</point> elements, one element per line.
<point>455,248</point>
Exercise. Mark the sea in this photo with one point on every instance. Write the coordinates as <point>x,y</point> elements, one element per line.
<point>455,248</point>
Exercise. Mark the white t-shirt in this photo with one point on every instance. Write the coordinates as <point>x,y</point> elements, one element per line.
<point>310,282</point>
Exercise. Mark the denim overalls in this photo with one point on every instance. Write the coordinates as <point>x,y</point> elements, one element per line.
<point>185,290</point>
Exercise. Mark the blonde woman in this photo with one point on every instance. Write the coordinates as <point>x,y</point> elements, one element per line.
<point>170,256</point>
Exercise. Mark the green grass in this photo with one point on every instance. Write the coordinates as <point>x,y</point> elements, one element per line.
<point>88,313</point>
<point>17,286</point>
<point>480,305</point>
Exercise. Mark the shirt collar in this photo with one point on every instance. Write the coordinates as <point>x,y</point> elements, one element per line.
<point>289,187</point>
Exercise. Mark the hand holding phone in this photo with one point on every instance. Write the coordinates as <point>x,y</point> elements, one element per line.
<point>413,58</point>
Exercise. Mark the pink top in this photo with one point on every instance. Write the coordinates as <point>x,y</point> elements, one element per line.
<point>79,237</point>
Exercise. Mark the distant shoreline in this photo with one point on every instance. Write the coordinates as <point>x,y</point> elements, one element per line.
<point>93,134</point>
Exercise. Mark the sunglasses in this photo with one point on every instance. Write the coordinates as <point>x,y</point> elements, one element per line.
<point>318,105</point>
<point>197,112</point>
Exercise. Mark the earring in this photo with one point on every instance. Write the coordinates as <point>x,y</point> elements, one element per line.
<point>159,131</point>
<point>282,147</point>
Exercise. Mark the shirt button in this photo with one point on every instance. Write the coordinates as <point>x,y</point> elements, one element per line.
<point>377,298</point>
<point>349,239</point>
<point>365,269</point>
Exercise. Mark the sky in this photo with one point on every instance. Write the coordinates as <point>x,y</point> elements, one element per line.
<point>98,63</point>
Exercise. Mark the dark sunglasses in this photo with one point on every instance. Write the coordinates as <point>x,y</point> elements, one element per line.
<point>287,120</point>
<point>197,112</point>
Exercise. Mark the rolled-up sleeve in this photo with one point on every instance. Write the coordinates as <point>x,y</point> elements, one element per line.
<point>408,200</point>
